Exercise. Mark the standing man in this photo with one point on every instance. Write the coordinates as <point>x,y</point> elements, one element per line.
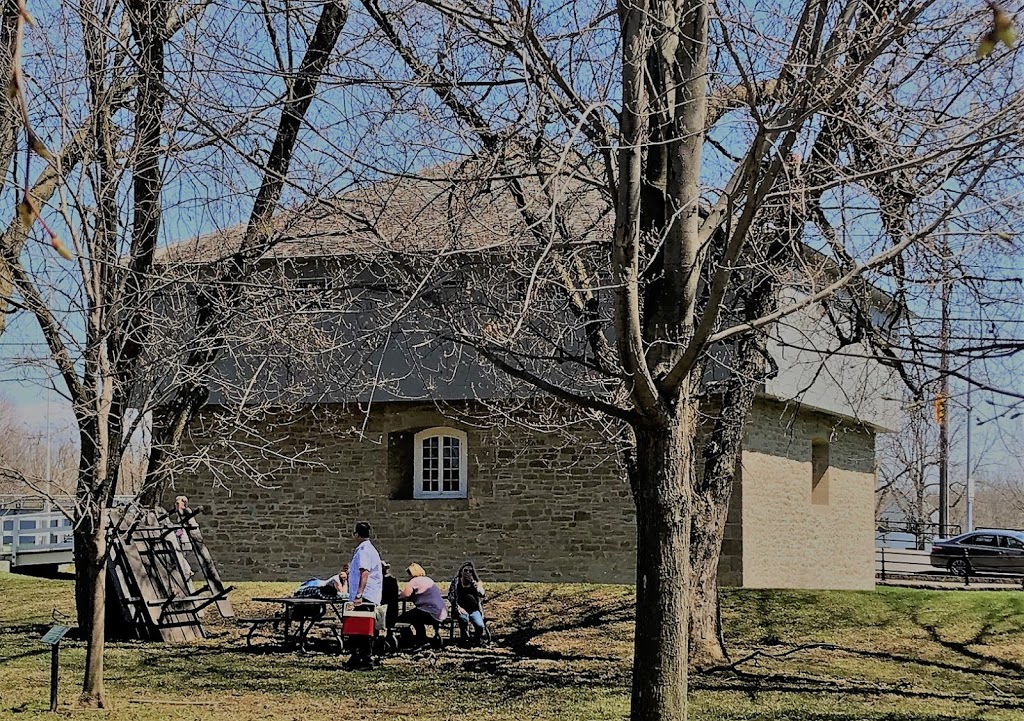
<point>365,585</point>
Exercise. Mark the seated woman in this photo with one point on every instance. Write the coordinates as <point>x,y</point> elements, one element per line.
<point>466,595</point>
<point>429,604</point>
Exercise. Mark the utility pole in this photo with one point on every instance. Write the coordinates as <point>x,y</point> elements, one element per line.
<point>47,504</point>
<point>941,406</point>
<point>969,519</point>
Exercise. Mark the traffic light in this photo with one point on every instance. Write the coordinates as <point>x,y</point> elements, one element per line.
<point>940,409</point>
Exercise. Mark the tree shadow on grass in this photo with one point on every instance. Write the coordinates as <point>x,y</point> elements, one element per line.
<point>986,633</point>
<point>24,654</point>
<point>526,674</point>
<point>755,684</point>
<point>1011,671</point>
<point>30,630</point>
<point>970,659</point>
<point>585,613</point>
<point>525,663</point>
<point>517,673</point>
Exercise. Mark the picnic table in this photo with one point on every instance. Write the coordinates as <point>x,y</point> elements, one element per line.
<point>299,616</point>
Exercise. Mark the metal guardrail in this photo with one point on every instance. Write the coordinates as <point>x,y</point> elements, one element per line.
<point>12,503</point>
<point>27,534</point>
<point>889,532</point>
<point>902,564</point>
<point>37,534</point>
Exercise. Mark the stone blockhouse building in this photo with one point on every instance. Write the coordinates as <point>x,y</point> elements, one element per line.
<point>442,481</point>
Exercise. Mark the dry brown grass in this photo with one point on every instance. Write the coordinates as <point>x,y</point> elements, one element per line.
<point>563,652</point>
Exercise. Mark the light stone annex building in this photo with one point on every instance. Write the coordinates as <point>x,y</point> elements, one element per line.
<point>524,504</point>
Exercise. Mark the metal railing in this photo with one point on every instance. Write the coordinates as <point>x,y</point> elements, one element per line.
<point>915,535</point>
<point>28,532</point>
<point>914,565</point>
<point>12,503</point>
<point>32,533</point>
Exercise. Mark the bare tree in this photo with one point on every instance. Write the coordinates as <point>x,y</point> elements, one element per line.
<point>907,471</point>
<point>648,160</point>
<point>33,462</point>
<point>687,140</point>
<point>139,116</point>
<point>959,358</point>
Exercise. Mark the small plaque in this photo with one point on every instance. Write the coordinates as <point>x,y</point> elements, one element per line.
<point>55,634</point>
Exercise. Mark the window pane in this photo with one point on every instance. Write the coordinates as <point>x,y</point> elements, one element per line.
<point>439,459</point>
<point>450,472</point>
<point>431,464</point>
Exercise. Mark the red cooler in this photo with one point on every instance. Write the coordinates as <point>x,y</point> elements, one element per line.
<point>357,623</point>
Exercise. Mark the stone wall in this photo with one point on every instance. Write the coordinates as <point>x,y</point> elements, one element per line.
<point>541,506</point>
<point>794,540</point>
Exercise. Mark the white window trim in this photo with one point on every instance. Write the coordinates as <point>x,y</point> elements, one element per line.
<point>417,481</point>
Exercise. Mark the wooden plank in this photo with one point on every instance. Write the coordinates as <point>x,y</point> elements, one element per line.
<point>137,569</point>
<point>207,566</point>
<point>151,576</point>
<point>156,566</point>
<point>125,590</point>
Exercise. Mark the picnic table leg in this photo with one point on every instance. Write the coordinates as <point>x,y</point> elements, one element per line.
<point>339,638</point>
<point>252,631</point>
<point>304,628</point>
<point>289,639</point>
<point>256,624</point>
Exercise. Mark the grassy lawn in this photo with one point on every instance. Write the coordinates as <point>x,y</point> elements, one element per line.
<point>561,652</point>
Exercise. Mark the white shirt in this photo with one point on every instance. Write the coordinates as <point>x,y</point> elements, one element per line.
<point>366,558</point>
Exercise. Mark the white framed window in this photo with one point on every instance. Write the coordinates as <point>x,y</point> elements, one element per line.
<point>440,463</point>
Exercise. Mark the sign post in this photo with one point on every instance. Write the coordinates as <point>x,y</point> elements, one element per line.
<point>52,639</point>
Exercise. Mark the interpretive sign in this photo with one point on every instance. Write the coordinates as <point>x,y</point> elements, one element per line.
<point>55,634</point>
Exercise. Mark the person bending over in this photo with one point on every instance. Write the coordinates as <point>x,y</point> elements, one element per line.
<point>429,605</point>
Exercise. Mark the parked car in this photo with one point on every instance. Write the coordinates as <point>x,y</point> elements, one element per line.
<point>983,550</point>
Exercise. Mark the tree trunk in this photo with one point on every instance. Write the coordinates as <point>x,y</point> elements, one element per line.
<point>90,592</point>
<point>711,494</point>
<point>711,507</point>
<point>95,493</point>
<point>9,120</point>
<point>660,473</point>
<point>713,488</point>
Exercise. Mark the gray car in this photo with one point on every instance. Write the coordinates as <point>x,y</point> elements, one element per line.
<point>984,550</point>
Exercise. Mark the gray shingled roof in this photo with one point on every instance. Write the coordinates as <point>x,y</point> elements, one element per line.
<point>441,210</point>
